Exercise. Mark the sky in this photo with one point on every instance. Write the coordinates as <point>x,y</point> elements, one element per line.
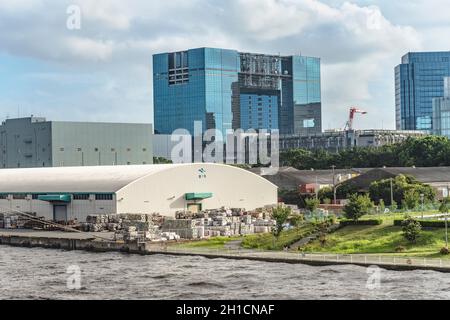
<point>102,71</point>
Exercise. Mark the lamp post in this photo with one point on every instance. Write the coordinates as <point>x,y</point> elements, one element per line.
<point>334,184</point>
<point>422,196</point>
<point>392,193</point>
<point>446,233</point>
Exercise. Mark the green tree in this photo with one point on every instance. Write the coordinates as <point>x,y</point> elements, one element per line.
<point>394,206</point>
<point>381,189</point>
<point>312,204</point>
<point>296,220</point>
<point>381,206</point>
<point>411,199</point>
<point>411,229</point>
<point>325,193</point>
<point>280,215</point>
<point>444,208</point>
<point>357,206</point>
<point>424,152</point>
<point>445,205</point>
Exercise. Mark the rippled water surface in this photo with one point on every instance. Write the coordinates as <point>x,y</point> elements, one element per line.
<point>42,274</point>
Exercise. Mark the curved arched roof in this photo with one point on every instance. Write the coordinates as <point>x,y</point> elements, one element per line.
<point>75,179</point>
<point>95,179</point>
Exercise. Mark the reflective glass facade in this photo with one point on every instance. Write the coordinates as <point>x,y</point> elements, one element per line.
<point>441,112</point>
<point>419,79</point>
<point>259,111</point>
<point>227,89</point>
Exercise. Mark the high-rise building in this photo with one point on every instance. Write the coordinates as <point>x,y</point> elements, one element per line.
<point>226,89</point>
<point>419,79</point>
<point>441,112</point>
<point>36,142</point>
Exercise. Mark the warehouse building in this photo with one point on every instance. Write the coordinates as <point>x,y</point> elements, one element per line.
<point>436,177</point>
<point>35,142</point>
<point>72,193</point>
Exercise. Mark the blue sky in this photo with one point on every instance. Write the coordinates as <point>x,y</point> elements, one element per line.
<point>102,72</point>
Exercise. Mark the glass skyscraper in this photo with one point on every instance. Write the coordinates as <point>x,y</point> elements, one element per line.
<point>227,89</point>
<point>419,79</point>
<point>441,112</point>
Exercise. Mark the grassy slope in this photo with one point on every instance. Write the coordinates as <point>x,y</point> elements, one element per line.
<point>254,241</point>
<point>266,240</point>
<point>380,239</point>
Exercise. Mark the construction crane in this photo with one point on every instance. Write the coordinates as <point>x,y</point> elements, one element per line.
<point>353,111</point>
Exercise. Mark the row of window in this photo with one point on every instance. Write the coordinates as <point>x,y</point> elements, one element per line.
<point>78,196</point>
<point>96,149</point>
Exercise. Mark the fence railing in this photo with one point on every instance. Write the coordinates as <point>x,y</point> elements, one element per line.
<point>364,259</point>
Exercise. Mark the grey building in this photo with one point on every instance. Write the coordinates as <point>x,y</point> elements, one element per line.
<point>441,112</point>
<point>335,141</point>
<point>36,142</point>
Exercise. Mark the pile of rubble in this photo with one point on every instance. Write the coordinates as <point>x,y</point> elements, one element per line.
<point>185,225</point>
<point>126,227</point>
<point>219,222</point>
<point>12,221</point>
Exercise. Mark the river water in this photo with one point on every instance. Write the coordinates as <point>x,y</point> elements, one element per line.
<point>35,273</point>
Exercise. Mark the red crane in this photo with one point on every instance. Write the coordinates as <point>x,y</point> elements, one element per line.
<point>353,111</point>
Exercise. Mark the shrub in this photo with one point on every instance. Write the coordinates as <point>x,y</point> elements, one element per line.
<point>400,249</point>
<point>369,222</point>
<point>411,229</point>
<point>312,204</point>
<point>425,223</point>
<point>357,207</point>
<point>444,251</point>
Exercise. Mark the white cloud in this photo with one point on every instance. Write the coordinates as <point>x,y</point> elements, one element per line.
<point>359,45</point>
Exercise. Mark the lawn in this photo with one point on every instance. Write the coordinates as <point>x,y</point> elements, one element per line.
<point>382,239</point>
<point>267,241</point>
<point>389,217</point>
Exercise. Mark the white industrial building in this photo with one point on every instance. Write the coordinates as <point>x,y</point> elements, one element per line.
<point>69,193</point>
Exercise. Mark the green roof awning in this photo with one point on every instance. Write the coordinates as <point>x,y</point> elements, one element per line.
<point>198,196</point>
<point>55,197</point>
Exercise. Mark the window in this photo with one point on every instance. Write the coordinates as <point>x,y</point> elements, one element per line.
<point>19,196</point>
<point>144,149</point>
<point>3,196</point>
<point>179,66</point>
<point>61,149</point>
<point>81,196</point>
<point>104,196</point>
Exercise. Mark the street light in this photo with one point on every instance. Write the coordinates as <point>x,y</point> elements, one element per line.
<point>422,196</point>
<point>334,183</point>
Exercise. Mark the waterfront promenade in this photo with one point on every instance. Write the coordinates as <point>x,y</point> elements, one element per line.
<point>91,242</point>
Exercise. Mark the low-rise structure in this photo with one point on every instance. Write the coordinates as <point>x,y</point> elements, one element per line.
<point>73,193</point>
<point>306,181</point>
<point>436,177</point>
<point>336,140</point>
<point>35,142</point>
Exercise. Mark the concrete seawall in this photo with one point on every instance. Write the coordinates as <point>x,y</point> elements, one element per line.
<point>70,241</point>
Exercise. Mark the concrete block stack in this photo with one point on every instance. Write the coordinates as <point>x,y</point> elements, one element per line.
<point>185,228</point>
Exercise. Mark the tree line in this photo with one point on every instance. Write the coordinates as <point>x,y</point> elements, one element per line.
<point>429,151</point>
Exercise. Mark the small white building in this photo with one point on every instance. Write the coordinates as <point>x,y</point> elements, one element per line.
<point>69,193</point>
